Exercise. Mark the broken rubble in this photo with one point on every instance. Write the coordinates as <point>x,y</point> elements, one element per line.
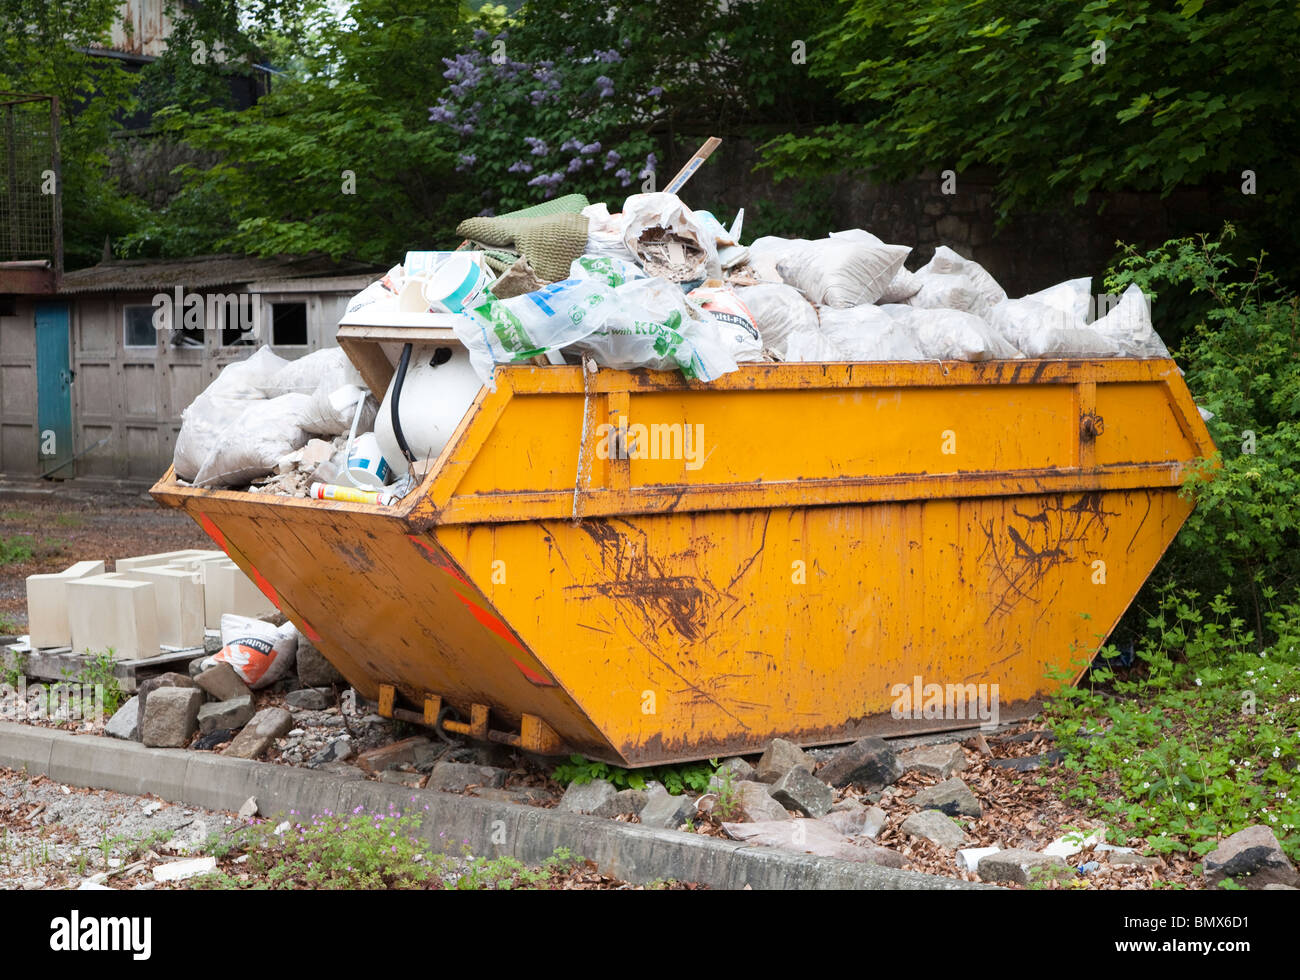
<point>1018,866</point>
<point>800,790</point>
<point>339,750</point>
<point>264,728</point>
<point>752,802</point>
<point>396,754</point>
<point>934,760</point>
<point>1251,857</point>
<point>812,837</point>
<point>868,762</point>
<point>171,717</point>
<point>779,758</point>
<point>625,801</point>
<point>952,797</point>
<point>229,715</point>
<point>933,826</point>
<point>222,683</point>
<point>125,722</point>
<point>853,819</point>
<point>310,699</point>
<point>585,797</point>
<point>313,669</point>
<point>456,777</point>
<point>151,684</point>
<point>968,858</point>
<point>666,811</point>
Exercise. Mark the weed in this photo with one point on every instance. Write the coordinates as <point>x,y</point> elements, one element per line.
<point>676,780</point>
<point>16,549</point>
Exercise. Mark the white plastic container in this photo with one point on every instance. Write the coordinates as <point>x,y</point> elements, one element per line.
<point>434,400</point>
<point>368,466</point>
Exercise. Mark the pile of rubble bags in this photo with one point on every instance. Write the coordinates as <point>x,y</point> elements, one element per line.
<point>656,286</point>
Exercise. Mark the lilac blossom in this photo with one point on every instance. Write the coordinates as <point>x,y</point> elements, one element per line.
<point>605,86</point>
<point>590,148</point>
<point>537,147</point>
<point>575,165</point>
<point>610,57</point>
<point>612,159</point>
<point>465,161</point>
<point>624,175</point>
<point>441,114</point>
<point>520,167</point>
<point>657,90</point>
<point>570,145</point>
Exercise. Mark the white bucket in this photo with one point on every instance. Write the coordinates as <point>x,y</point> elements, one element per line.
<point>458,283</point>
<point>367,466</point>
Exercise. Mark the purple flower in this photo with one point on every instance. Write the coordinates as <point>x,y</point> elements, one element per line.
<point>536,96</point>
<point>520,167</point>
<point>657,90</point>
<point>612,159</point>
<point>575,165</point>
<point>611,56</point>
<point>480,34</point>
<point>537,147</point>
<point>605,86</point>
<point>591,148</point>
<point>441,114</point>
<point>624,175</point>
<point>465,161</point>
<point>570,145</point>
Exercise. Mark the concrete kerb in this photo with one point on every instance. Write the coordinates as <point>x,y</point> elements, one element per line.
<point>529,834</point>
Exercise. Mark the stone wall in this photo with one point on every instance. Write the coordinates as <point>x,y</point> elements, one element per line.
<point>1030,252</point>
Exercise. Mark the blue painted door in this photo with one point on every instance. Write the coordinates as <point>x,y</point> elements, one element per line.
<point>53,389</point>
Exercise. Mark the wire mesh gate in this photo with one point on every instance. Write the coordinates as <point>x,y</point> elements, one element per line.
<point>31,219</point>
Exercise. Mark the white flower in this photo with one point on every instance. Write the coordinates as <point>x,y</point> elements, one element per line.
<point>1198,682</point>
<point>1272,818</point>
<point>1191,806</point>
<point>1277,751</point>
<point>1146,785</point>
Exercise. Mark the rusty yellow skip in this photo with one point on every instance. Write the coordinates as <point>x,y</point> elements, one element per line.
<point>647,570</point>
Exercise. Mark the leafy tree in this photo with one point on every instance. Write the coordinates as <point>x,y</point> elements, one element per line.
<point>1062,100</point>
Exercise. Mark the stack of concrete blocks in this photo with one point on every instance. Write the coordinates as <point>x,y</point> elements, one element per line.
<point>113,612</point>
<point>47,604</point>
<point>150,601</point>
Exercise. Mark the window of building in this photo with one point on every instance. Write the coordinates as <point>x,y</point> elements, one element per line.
<point>137,327</point>
<point>288,324</point>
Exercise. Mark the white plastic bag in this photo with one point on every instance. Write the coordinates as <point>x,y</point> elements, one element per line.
<point>667,240</point>
<point>211,414</point>
<point>329,367</point>
<point>611,270</point>
<point>811,345</point>
<point>951,335</point>
<point>948,291</point>
<point>841,273</point>
<point>605,233</point>
<point>901,288</point>
<point>866,333</point>
<point>945,261</point>
<point>733,319</point>
<point>765,253</point>
<point>330,412</point>
<point>253,445</point>
<point>260,653</point>
<point>1128,326</point>
<point>780,312</point>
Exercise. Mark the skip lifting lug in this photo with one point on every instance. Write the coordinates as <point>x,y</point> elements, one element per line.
<point>534,734</point>
<point>1092,426</point>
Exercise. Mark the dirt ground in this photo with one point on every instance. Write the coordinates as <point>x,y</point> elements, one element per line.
<point>57,525</point>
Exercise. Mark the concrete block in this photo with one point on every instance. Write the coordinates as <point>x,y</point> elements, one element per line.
<point>163,558</point>
<point>47,604</point>
<point>226,589</point>
<point>179,599</point>
<point>112,612</point>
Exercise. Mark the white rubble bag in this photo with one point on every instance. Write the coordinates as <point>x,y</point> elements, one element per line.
<point>667,240</point>
<point>951,335</point>
<point>605,233</point>
<point>766,252</point>
<point>779,312</point>
<point>252,446</point>
<point>866,333</point>
<point>1128,326</point>
<point>1051,322</point>
<point>260,653</point>
<point>948,291</point>
<point>734,320</point>
<point>331,412</point>
<point>212,413</point>
<point>328,367</point>
<point>434,399</point>
<point>841,273</point>
<point>945,260</point>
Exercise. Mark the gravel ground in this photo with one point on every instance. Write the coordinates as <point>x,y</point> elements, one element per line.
<point>48,530</point>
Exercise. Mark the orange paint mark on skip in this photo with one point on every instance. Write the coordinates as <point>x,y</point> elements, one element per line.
<point>490,621</point>
<point>310,631</point>
<point>267,589</point>
<point>213,531</point>
<point>433,555</point>
<point>532,675</point>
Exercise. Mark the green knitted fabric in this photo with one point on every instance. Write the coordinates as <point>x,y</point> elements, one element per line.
<point>550,235</point>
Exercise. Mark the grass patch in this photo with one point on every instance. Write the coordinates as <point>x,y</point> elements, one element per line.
<point>16,549</point>
<point>1199,739</point>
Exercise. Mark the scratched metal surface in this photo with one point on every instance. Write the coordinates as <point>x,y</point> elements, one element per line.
<point>825,548</point>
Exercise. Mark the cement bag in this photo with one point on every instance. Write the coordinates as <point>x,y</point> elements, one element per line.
<point>1128,327</point>
<point>839,273</point>
<point>605,268</point>
<point>810,345</point>
<point>735,323</point>
<point>253,445</point>
<point>948,291</point>
<point>212,413</point>
<point>328,368</point>
<point>260,653</point>
<point>435,397</point>
<point>605,233</point>
<point>667,240</point>
<point>331,412</point>
<point>864,333</point>
<point>951,335</point>
<point>947,261</point>
<point>779,313</point>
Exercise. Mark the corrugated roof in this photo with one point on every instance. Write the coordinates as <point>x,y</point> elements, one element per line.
<point>201,272</point>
